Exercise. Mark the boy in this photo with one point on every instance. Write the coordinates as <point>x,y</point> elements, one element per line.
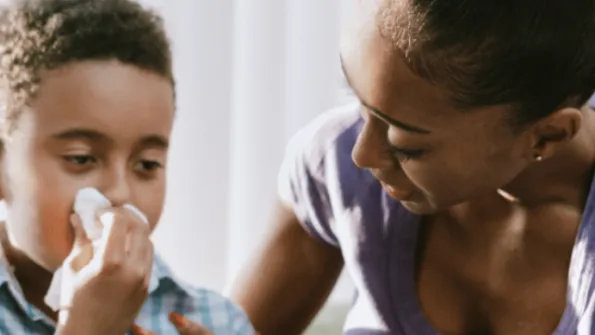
<point>89,102</point>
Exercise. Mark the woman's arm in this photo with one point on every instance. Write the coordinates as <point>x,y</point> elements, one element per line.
<point>290,279</point>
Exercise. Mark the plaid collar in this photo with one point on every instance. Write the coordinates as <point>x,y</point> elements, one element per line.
<point>161,276</point>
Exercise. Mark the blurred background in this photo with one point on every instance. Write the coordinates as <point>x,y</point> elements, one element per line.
<point>250,73</point>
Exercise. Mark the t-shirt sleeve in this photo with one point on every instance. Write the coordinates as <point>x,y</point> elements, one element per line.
<point>302,186</point>
<point>310,179</point>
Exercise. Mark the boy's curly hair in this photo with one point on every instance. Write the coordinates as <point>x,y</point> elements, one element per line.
<point>38,35</point>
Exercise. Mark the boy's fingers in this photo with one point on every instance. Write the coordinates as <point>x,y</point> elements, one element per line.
<point>187,327</point>
<point>82,252</point>
<point>81,258</point>
<point>138,330</point>
<point>80,236</point>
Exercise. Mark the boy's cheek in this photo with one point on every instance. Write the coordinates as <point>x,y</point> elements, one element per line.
<point>57,235</point>
<point>41,221</point>
<point>46,241</point>
<point>151,201</point>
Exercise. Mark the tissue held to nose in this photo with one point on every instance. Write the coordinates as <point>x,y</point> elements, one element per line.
<point>88,202</point>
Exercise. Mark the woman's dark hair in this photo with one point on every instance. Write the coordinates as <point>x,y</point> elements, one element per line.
<point>536,56</point>
<point>38,35</point>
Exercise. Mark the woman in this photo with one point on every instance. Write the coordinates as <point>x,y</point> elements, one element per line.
<point>457,192</point>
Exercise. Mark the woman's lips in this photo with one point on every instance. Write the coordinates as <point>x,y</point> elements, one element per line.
<point>395,193</point>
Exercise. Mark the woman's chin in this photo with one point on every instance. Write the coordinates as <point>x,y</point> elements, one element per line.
<point>419,207</point>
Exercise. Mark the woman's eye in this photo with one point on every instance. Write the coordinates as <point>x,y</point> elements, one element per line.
<point>403,155</point>
<point>80,159</point>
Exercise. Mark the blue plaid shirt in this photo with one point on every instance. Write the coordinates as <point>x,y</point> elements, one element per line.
<point>166,294</point>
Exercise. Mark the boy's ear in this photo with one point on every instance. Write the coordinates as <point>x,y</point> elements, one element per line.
<point>5,103</point>
<point>2,169</point>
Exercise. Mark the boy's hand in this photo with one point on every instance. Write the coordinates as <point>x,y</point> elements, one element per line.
<point>184,326</point>
<point>109,284</point>
<point>187,327</point>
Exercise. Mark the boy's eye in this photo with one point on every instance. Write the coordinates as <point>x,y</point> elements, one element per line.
<point>146,165</point>
<point>80,159</point>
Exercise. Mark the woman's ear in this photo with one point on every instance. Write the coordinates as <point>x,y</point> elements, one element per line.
<point>554,131</point>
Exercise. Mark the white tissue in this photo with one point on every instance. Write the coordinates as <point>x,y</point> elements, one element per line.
<point>87,203</point>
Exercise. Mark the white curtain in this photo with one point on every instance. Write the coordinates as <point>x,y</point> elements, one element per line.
<point>249,74</point>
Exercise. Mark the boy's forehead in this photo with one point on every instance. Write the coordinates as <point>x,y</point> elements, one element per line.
<point>108,81</point>
<point>107,96</point>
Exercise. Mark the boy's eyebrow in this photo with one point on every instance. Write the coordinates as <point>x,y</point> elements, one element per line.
<point>153,140</point>
<point>156,141</point>
<point>80,133</point>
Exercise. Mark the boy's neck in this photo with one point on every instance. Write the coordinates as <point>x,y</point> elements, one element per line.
<point>33,279</point>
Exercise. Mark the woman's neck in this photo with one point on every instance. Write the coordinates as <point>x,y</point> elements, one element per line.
<point>565,178</point>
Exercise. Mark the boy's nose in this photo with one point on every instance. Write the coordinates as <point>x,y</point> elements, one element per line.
<point>117,189</point>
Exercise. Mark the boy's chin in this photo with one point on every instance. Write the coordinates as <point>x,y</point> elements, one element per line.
<point>46,261</point>
<point>34,253</point>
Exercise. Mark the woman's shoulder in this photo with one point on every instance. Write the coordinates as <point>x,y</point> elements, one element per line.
<point>319,157</point>
<point>335,130</point>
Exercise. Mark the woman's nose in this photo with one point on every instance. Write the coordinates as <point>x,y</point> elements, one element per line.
<point>369,151</point>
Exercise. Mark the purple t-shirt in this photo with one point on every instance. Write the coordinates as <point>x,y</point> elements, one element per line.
<point>346,207</point>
